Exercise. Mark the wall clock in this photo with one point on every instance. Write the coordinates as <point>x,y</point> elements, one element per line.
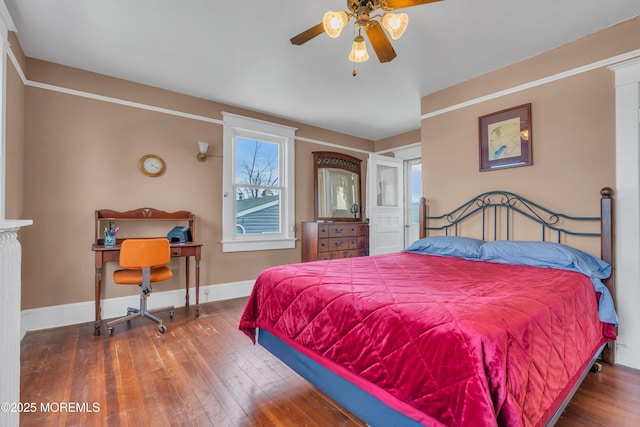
<point>151,165</point>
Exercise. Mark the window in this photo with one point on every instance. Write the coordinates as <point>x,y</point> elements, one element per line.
<point>258,187</point>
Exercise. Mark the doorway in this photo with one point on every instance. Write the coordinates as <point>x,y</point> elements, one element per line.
<point>394,226</point>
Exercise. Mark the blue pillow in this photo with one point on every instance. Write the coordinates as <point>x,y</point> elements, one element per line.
<point>463,247</point>
<point>544,254</point>
<point>555,255</point>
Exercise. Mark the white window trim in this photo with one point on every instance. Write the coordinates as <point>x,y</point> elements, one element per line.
<point>245,126</point>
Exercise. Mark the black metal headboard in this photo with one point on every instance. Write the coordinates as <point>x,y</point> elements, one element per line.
<point>489,205</point>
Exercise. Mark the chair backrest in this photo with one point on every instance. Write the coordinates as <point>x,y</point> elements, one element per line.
<point>139,253</point>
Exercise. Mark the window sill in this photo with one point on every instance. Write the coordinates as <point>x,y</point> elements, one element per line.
<point>257,245</point>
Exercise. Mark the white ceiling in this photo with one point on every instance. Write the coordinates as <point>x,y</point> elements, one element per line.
<point>238,52</point>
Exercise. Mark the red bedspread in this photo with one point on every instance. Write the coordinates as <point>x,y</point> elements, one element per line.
<point>441,339</point>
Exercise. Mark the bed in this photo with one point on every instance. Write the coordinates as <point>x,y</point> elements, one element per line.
<point>454,330</point>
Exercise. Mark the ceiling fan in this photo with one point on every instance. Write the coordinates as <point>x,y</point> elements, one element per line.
<point>362,11</point>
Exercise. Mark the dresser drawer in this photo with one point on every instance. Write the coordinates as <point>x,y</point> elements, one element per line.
<point>323,231</point>
<point>362,242</point>
<point>339,243</point>
<point>323,256</point>
<point>340,230</point>
<point>332,240</point>
<point>323,245</point>
<point>353,253</point>
<point>349,253</point>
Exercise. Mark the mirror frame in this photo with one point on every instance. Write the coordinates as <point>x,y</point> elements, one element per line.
<point>328,159</point>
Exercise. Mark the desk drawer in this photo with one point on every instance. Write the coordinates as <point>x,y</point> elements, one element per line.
<point>176,251</point>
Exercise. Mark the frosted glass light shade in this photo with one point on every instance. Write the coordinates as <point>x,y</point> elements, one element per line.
<point>202,150</point>
<point>334,22</point>
<point>359,50</point>
<point>203,147</point>
<point>395,24</point>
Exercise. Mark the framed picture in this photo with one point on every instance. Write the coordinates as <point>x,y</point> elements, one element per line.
<point>505,138</point>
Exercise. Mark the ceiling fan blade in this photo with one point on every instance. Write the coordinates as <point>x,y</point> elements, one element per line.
<point>380,42</point>
<point>307,35</point>
<point>401,4</point>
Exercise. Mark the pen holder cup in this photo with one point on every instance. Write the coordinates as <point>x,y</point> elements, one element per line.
<point>109,240</point>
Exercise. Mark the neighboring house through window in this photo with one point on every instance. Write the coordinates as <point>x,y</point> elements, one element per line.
<point>258,185</point>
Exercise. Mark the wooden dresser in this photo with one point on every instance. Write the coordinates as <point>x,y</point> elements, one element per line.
<point>332,240</point>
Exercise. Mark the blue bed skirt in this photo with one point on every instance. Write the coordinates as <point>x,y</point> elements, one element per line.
<point>360,403</point>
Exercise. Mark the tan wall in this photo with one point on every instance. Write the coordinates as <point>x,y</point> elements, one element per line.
<point>573,123</point>
<point>399,141</point>
<point>83,156</point>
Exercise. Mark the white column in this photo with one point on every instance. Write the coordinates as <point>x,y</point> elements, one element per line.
<point>10,265</point>
<point>627,211</point>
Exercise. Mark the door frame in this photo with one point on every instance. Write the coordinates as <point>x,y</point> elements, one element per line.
<point>408,153</point>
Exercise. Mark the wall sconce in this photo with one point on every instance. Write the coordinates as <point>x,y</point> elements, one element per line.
<point>202,150</point>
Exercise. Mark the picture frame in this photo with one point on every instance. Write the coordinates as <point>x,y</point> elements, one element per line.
<point>506,138</point>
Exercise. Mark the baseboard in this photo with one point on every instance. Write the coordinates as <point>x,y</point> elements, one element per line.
<point>69,314</point>
<point>628,350</point>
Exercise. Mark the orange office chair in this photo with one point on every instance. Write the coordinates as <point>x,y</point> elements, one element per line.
<point>144,262</point>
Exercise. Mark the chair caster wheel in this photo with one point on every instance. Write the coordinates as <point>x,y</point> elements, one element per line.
<point>162,329</point>
<point>110,330</point>
<point>171,314</point>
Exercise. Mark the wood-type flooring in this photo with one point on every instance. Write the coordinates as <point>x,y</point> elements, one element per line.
<point>205,372</point>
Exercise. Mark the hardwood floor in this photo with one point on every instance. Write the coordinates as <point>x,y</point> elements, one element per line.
<point>205,372</point>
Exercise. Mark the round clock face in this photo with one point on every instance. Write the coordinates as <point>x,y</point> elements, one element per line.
<point>151,165</point>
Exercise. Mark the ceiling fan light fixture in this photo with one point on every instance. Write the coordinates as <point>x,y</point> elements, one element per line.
<point>395,24</point>
<point>334,22</point>
<point>358,50</point>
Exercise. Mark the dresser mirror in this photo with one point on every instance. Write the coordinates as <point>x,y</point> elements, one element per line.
<point>337,187</point>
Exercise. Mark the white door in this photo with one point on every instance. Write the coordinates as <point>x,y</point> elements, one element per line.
<point>385,198</point>
<point>413,190</point>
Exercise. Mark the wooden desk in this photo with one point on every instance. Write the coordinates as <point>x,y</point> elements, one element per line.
<point>190,249</point>
<point>102,254</point>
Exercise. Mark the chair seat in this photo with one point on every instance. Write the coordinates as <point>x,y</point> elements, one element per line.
<point>134,277</point>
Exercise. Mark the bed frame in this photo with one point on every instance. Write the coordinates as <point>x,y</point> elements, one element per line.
<point>489,205</point>
<point>498,209</point>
